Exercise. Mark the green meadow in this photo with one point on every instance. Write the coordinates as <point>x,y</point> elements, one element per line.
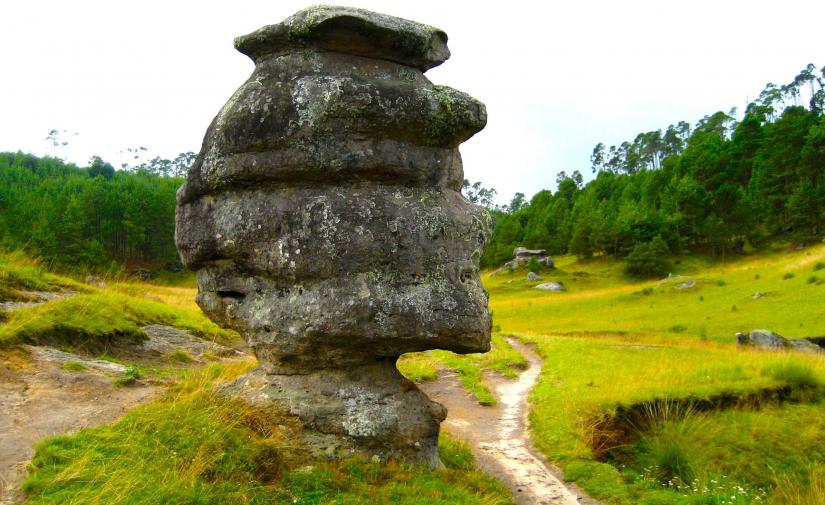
<point>645,398</point>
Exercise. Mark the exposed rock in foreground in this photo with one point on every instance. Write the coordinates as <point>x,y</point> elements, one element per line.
<point>324,219</point>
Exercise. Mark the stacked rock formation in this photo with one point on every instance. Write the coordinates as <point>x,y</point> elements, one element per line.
<point>324,219</point>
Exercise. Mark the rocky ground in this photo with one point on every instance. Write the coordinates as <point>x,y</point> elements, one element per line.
<point>45,392</point>
<point>499,435</point>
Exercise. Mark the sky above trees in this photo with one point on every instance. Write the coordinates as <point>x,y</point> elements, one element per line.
<point>557,77</point>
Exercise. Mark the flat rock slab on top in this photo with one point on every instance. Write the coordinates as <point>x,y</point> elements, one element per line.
<point>352,31</point>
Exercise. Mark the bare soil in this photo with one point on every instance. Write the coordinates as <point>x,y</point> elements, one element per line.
<point>499,435</point>
<point>39,399</point>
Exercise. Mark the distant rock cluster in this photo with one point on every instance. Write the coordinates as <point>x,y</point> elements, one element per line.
<point>522,256</point>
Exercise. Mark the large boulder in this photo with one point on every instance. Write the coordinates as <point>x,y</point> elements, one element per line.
<point>324,220</point>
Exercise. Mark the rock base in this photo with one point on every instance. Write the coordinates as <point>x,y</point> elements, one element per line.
<point>370,410</point>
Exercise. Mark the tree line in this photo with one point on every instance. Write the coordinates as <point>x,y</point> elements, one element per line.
<point>720,186</point>
<point>88,217</point>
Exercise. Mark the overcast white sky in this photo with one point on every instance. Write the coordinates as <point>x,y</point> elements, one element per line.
<point>557,77</point>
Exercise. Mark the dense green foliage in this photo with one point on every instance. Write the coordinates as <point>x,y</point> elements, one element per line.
<point>86,217</point>
<point>716,187</point>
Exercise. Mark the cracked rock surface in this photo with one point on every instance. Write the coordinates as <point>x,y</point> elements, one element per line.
<point>324,219</point>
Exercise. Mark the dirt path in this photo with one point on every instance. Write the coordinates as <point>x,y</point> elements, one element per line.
<point>499,436</point>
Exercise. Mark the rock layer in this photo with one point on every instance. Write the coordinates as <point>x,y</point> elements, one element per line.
<point>323,217</point>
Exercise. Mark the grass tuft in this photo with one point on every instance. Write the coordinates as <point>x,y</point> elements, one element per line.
<point>73,366</point>
<point>129,377</point>
<point>180,356</point>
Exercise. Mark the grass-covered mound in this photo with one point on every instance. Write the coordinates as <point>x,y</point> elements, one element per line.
<point>91,318</point>
<point>18,272</point>
<point>194,446</point>
<point>99,320</point>
<point>698,416</point>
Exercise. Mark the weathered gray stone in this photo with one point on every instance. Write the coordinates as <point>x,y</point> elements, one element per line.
<point>523,252</point>
<point>324,219</point>
<point>547,261</point>
<point>766,339</point>
<point>532,277</point>
<point>763,339</point>
<point>685,285</point>
<point>550,286</point>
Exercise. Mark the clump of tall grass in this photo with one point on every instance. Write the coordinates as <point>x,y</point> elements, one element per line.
<point>789,491</point>
<point>19,272</point>
<point>802,379</point>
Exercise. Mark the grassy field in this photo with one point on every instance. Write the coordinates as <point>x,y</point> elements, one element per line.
<point>194,446</point>
<point>712,423</point>
<point>601,300</point>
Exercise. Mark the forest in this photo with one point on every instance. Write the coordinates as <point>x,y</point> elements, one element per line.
<point>90,218</point>
<point>720,186</point>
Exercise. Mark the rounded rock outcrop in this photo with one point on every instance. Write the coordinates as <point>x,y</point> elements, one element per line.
<point>324,220</point>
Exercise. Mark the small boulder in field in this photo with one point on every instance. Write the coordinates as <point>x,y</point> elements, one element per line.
<point>762,339</point>
<point>95,281</point>
<point>551,286</point>
<point>686,285</point>
<point>532,277</point>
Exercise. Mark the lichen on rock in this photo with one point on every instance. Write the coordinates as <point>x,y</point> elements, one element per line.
<point>324,220</point>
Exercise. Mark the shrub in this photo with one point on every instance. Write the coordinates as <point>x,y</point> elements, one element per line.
<point>648,259</point>
<point>533,265</point>
<point>819,265</point>
<point>788,275</point>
